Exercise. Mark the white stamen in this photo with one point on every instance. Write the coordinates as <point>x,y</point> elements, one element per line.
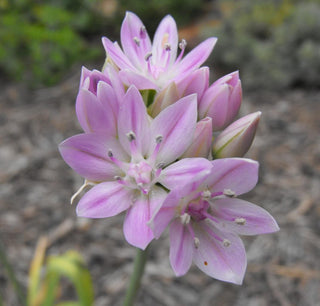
<point>137,41</point>
<point>226,242</point>
<point>229,193</point>
<point>185,218</point>
<point>131,136</point>
<point>110,154</point>
<point>167,47</point>
<point>182,44</point>
<point>147,56</point>
<point>206,194</point>
<point>196,242</point>
<point>240,221</point>
<point>159,139</point>
<point>143,32</point>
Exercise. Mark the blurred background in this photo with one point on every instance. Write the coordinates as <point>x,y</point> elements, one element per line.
<point>275,45</point>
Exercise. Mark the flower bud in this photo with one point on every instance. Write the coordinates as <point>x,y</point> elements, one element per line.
<point>89,79</point>
<point>196,82</point>
<point>221,101</point>
<point>165,98</point>
<point>202,139</point>
<point>237,138</point>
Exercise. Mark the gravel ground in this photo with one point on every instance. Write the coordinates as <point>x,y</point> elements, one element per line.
<point>36,185</point>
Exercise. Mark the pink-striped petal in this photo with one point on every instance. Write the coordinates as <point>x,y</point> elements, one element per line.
<point>116,54</point>
<point>220,255</point>
<point>87,154</point>
<point>137,79</point>
<point>176,125</point>
<point>165,42</point>
<point>243,218</point>
<point>237,174</point>
<point>196,57</point>
<point>181,248</point>
<point>133,117</point>
<point>136,229</point>
<point>183,171</point>
<point>202,139</point>
<point>104,200</point>
<point>91,115</point>
<point>135,40</point>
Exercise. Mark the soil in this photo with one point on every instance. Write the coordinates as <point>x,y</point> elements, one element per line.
<point>36,186</point>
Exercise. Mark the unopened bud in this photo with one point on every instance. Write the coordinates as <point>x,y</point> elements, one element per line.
<point>237,138</point>
<point>202,139</point>
<point>221,101</point>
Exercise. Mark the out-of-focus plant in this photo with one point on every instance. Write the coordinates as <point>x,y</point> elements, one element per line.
<point>274,43</point>
<point>41,40</point>
<point>44,288</point>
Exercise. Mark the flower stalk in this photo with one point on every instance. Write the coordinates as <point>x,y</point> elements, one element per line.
<point>136,276</point>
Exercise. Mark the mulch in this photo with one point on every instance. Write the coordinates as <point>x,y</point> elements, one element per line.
<point>36,186</point>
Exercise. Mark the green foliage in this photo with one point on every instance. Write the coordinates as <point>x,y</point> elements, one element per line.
<point>44,280</point>
<point>275,44</point>
<point>39,41</point>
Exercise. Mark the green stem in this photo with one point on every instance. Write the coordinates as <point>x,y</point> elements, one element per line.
<point>135,280</point>
<point>11,275</point>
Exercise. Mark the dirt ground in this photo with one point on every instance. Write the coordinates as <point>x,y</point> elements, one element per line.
<point>36,185</point>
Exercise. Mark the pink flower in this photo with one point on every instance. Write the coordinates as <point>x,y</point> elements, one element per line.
<point>154,65</point>
<point>132,170</point>
<point>206,219</point>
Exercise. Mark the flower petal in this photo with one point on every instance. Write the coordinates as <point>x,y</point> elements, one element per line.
<point>220,255</point>
<point>135,40</point>
<point>176,125</point>
<point>166,35</point>
<point>135,227</point>
<point>91,115</point>
<point>181,248</point>
<point>202,139</point>
<point>133,117</point>
<point>238,174</point>
<point>130,77</point>
<point>87,155</point>
<point>104,200</point>
<point>252,219</point>
<point>116,54</point>
<point>196,57</point>
<point>184,171</point>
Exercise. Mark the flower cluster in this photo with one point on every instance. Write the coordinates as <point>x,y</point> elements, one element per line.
<point>147,148</point>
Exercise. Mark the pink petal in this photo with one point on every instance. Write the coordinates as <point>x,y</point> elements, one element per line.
<point>135,227</point>
<point>220,255</point>
<point>238,174</point>
<point>176,124</point>
<point>136,78</point>
<point>196,82</point>
<point>110,106</point>
<point>114,51</point>
<point>202,139</point>
<point>87,154</point>
<point>215,104</point>
<point>184,171</point>
<point>181,248</point>
<point>115,81</point>
<point>256,219</point>
<point>166,33</point>
<point>131,31</point>
<point>104,200</point>
<point>196,57</point>
<point>133,117</point>
<point>91,115</point>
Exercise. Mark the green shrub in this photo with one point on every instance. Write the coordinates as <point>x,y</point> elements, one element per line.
<point>275,44</point>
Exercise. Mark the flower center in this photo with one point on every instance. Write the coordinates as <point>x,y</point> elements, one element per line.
<point>141,173</point>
